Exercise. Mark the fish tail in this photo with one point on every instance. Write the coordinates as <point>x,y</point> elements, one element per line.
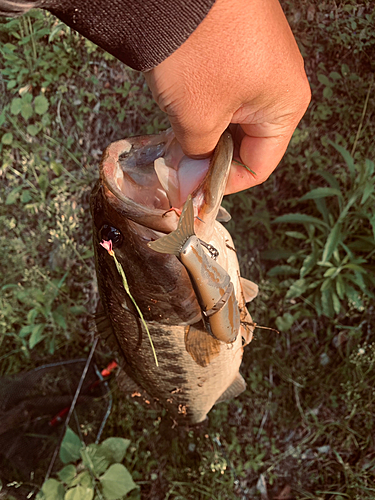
<point>172,243</point>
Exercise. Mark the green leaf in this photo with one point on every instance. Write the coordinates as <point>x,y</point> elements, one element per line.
<point>282,271</point>
<point>327,92</point>
<point>95,458</point>
<point>59,319</point>
<point>298,288</point>
<point>67,474</point>
<point>284,322</point>
<point>298,219</point>
<point>355,267</point>
<point>41,104</point>
<point>336,303</point>
<point>116,448</point>
<point>34,129</point>
<point>83,478</point>
<point>330,178</point>
<point>327,304</point>
<point>296,234</point>
<point>370,167</point>
<point>367,191</point>
<point>307,265</point>
<point>276,254</point>
<point>325,80</point>
<point>11,84</point>
<point>346,155</point>
<point>321,192</point>
<point>53,490</point>
<point>26,110</point>
<point>340,287</point>
<point>16,106</point>
<point>13,195</point>
<point>70,447</point>
<point>372,222</point>
<point>25,330</point>
<point>330,272</point>
<point>116,482</point>
<point>332,242</point>
<point>26,196</point>
<point>2,121</point>
<point>79,493</point>
<point>326,285</point>
<point>335,76</point>
<point>36,335</point>
<point>7,139</point>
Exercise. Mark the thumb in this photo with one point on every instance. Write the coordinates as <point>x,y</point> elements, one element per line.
<point>199,139</point>
<point>195,119</point>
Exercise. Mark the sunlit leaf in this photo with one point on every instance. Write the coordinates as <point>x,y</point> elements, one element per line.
<point>7,139</point>
<point>36,335</point>
<point>16,106</point>
<point>116,447</point>
<point>41,104</point>
<point>79,493</point>
<point>116,482</point>
<point>296,234</point>
<point>332,242</point>
<point>53,490</point>
<point>321,192</point>
<point>298,219</point>
<point>307,265</point>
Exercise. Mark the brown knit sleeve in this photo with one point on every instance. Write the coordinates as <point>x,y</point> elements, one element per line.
<point>141,33</point>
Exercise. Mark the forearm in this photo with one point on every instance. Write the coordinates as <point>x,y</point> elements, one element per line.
<point>141,34</point>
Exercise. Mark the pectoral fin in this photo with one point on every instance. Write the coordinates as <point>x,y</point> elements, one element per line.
<point>223,215</point>
<point>236,387</point>
<point>200,345</point>
<point>249,289</point>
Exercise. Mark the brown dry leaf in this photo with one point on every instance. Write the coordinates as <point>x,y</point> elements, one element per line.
<point>285,493</point>
<point>311,13</point>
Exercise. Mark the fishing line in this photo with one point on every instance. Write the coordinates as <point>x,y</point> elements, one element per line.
<point>72,406</point>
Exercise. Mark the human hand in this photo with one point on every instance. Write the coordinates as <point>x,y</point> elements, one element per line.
<point>241,66</point>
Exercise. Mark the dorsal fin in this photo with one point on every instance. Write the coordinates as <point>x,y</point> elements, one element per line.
<point>174,241</point>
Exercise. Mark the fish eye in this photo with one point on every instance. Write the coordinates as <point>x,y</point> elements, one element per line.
<point>108,232</point>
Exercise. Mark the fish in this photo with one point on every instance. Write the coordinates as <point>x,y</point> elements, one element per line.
<point>190,292</point>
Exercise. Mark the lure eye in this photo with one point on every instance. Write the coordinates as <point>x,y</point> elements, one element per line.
<point>111,233</point>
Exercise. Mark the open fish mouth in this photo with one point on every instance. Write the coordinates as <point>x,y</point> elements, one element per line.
<point>150,175</point>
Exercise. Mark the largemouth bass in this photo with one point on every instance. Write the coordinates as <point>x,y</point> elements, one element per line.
<point>191,295</point>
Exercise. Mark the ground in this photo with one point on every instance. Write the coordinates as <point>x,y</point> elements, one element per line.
<point>304,427</point>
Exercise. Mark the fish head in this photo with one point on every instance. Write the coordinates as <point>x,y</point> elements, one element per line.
<point>141,179</point>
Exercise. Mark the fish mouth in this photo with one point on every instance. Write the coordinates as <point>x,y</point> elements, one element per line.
<point>148,178</point>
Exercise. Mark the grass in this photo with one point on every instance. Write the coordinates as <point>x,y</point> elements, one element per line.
<point>304,426</point>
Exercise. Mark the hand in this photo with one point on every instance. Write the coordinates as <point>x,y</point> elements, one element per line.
<point>241,66</point>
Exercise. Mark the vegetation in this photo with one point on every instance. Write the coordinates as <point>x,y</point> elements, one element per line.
<point>304,428</point>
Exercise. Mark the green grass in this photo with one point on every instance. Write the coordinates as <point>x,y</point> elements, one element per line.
<point>305,421</point>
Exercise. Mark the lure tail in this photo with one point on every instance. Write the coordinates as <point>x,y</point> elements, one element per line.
<point>172,243</point>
